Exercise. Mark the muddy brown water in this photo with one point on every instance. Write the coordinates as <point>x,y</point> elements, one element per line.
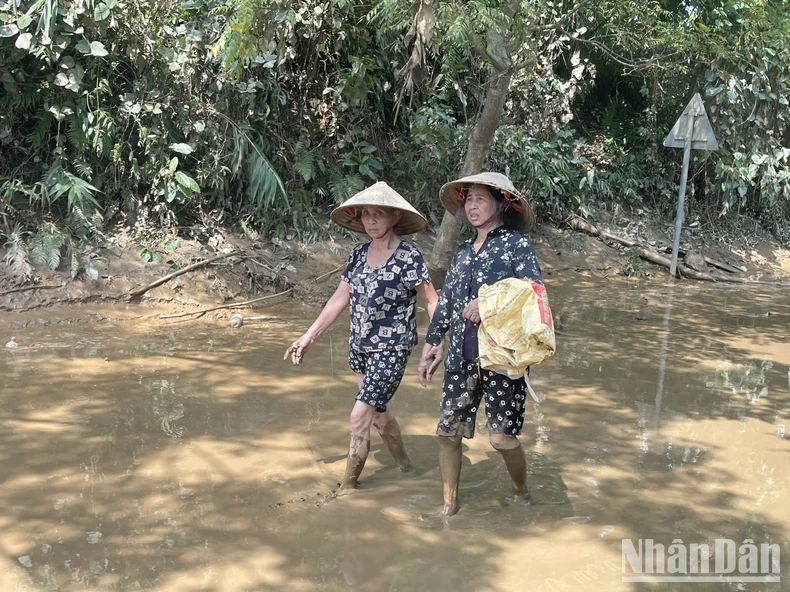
<point>142,454</point>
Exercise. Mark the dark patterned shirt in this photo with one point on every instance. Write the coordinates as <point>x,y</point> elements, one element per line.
<point>504,254</point>
<point>383,300</point>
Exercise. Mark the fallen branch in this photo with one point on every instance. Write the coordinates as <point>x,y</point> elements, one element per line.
<point>709,261</point>
<point>30,288</point>
<point>576,223</point>
<point>328,273</point>
<point>576,268</point>
<point>256,262</point>
<point>232,305</point>
<point>140,291</point>
<point>263,318</point>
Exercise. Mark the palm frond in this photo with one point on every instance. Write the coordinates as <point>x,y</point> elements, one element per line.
<point>343,187</point>
<point>304,162</point>
<point>17,257</point>
<point>21,101</point>
<point>74,131</point>
<point>58,181</point>
<point>45,247</point>
<point>41,129</point>
<point>73,257</point>
<point>264,184</point>
<point>87,228</point>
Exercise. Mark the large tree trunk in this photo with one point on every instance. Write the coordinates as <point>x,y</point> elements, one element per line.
<point>476,155</point>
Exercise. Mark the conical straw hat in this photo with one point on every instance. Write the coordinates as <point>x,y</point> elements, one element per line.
<point>452,195</point>
<point>382,195</point>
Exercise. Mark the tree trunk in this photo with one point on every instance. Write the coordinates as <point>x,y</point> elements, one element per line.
<point>476,155</point>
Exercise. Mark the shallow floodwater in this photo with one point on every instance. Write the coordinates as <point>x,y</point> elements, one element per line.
<point>141,454</point>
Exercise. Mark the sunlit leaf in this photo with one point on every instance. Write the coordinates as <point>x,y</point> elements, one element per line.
<point>23,41</point>
<point>84,46</point>
<point>9,30</point>
<point>101,12</point>
<point>187,182</point>
<point>97,49</point>
<point>182,148</point>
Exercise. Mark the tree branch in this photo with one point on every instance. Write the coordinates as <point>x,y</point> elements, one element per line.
<point>232,305</point>
<point>140,291</point>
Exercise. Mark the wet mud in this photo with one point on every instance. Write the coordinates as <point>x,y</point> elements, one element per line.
<point>140,454</point>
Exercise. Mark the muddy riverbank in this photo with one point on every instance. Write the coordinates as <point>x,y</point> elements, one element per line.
<point>309,273</point>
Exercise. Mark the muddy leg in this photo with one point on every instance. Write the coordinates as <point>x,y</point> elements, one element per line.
<point>389,430</point>
<point>450,468</point>
<point>357,455</point>
<point>359,447</point>
<point>510,449</point>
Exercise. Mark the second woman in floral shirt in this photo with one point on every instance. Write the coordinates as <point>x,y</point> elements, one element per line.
<point>500,249</point>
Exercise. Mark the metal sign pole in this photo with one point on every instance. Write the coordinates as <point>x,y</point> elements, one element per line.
<point>692,118</point>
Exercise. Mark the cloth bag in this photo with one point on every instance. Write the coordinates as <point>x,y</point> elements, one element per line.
<point>516,328</point>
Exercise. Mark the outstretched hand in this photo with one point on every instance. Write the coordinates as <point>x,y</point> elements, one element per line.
<point>298,349</point>
<point>429,361</point>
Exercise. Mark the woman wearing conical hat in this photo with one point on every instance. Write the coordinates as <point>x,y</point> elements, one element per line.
<point>380,285</point>
<point>500,249</point>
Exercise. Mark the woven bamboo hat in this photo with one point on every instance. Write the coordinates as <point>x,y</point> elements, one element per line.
<point>452,195</point>
<point>381,195</point>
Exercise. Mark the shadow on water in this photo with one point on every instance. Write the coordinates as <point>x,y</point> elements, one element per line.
<point>193,458</point>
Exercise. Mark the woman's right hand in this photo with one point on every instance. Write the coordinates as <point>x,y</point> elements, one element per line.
<point>299,348</point>
<point>430,359</point>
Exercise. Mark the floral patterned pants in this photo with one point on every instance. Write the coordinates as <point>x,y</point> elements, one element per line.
<point>463,392</point>
<point>383,372</point>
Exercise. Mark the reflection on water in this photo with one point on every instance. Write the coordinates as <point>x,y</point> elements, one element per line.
<point>167,406</point>
<point>144,455</point>
<point>745,381</point>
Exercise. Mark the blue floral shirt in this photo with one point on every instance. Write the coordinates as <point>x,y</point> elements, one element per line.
<point>383,300</point>
<point>504,254</point>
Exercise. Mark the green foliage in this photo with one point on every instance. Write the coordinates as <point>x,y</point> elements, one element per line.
<point>264,185</point>
<point>549,170</point>
<point>17,258</point>
<point>45,247</point>
<point>271,113</point>
<point>361,162</point>
<point>84,227</point>
<point>147,255</point>
<point>634,267</point>
<point>304,162</point>
<point>751,111</point>
<point>58,182</point>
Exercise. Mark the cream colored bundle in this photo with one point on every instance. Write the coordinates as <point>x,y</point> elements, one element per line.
<point>516,329</point>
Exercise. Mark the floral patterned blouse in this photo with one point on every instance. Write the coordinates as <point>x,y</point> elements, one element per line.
<point>504,254</point>
<point>383,300</point>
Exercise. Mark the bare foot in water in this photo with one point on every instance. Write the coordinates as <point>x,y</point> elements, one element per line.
<point>342,490</point>
<point>521,498</point>
<point>448,510</point>
<point>406,471</point>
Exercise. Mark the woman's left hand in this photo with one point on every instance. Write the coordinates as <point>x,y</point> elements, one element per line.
<point>472,311</point>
